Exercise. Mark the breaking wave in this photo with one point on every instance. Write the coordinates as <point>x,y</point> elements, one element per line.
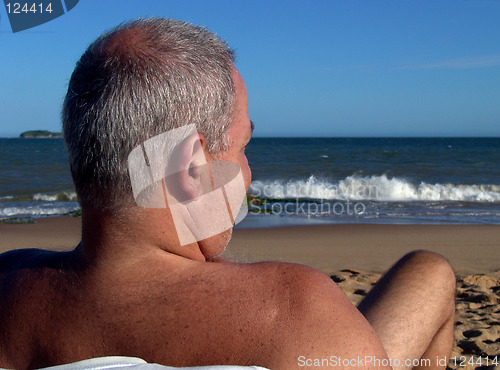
<point>39,204</point>
<point>61,196</point>
<point>375,188</point>
<point>23,209</point>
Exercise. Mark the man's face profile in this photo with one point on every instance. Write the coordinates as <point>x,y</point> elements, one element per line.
<point>240,131</point>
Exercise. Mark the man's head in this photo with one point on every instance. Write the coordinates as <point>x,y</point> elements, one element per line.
<point>137,81</point>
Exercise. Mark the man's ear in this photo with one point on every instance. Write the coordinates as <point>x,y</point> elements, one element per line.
<point>193,178</point>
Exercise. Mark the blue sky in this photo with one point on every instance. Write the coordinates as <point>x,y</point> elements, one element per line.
<point>312,68</point>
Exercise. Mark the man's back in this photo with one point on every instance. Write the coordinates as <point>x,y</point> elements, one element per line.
<point>173,311</point>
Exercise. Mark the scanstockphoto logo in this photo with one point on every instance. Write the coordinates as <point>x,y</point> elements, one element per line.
<point>309,199</point>
<point>205,198</point>
<point>297,207</point>
<point>28,14</point>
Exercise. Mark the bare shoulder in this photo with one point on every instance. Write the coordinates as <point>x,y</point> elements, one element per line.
<point>314,319</point>
<point>292,289</point>
<point>291,281</point>
<point>29,279</point>
<point>26,291</point>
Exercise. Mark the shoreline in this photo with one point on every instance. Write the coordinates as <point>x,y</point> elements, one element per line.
<point>370,247</point>
<point>329,248</point>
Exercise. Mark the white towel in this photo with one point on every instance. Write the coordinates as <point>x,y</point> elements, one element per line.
<point>134,363</point>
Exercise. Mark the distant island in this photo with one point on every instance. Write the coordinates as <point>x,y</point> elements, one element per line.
<point>40,134</point>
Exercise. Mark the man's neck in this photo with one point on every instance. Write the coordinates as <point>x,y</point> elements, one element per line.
<point>123,237</point>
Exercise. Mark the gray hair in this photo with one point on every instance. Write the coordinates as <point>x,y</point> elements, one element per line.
<point>137,81</point>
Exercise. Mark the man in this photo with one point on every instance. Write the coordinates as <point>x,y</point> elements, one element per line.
<point>132,288</point>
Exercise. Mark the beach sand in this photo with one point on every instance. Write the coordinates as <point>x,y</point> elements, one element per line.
<point>354,255</point>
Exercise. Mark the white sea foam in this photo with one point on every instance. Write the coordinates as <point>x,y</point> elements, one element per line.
<point>40,205</point>
<point>59,208</point>
<point>379,188</point>
<point>61,196</point>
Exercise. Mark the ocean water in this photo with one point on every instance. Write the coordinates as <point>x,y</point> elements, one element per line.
<point>305,180</point>
<point>35,179</point>
<point>378,180</point>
